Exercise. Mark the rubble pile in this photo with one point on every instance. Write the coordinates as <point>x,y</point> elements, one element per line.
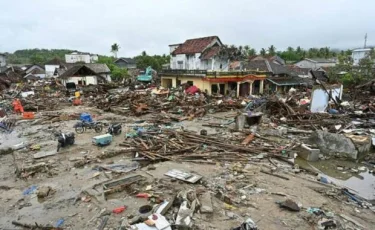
<point>143,102</point>
<point>164,159</point>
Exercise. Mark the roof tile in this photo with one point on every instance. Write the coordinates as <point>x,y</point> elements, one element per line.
<point>196,45</point>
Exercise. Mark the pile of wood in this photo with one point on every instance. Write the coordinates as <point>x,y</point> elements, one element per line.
<point>137,103</point>
<point>188,147</point>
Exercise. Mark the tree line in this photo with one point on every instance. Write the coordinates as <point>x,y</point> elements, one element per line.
<point>291,54</point>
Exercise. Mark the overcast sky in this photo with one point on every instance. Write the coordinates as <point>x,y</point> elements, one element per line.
<point>151,25</point>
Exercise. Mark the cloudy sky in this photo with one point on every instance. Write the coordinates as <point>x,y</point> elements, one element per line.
<point>151,25</point>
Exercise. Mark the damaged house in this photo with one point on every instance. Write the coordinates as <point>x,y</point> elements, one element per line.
<point>84,74</point>
<point>198,54</point>
<point>279,77</point>
<point>35,71</point>
<point>199,62</point>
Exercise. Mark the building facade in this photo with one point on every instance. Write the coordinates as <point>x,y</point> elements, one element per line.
<point>358,54</point>
<point>198,54</point>
<point>315,63</point>
<point>3,61</point>
<point>78,57</point>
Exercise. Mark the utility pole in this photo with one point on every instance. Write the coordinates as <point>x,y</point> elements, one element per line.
<point>365,41</point>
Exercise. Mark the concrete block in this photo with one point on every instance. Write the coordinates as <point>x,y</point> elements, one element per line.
<point>308,153</point>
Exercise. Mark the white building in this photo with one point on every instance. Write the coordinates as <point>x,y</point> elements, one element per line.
<point>314,63</point>
<point>198,54</point>
<point>76,57</point>
<point>3,61</point>
<point>358,54</point>
<point>51,66</point>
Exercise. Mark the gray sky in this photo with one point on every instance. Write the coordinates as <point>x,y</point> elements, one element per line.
<point>151,25</point>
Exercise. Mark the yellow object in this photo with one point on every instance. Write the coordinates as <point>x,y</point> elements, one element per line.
<point>77,94</point>
<point>35,147</point>
<point>229,207</point>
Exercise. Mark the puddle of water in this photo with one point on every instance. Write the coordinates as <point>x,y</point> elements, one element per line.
<point>362,182</point>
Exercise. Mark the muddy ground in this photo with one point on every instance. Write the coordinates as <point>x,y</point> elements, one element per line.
<point>254,194</point>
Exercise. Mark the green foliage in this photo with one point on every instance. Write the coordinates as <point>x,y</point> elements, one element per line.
<point>115,48</point>
<point>36,56</point>
<point>291,54</point>
<point>350,75</point>
<point>272,50</point>
<point>156,61</point>
<point>117,74</point>
<point>263,52</point>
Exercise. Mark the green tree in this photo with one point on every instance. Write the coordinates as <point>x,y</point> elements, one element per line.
<point>156,62</point>
<point>351,75</point>
<point>114,49</point>
<point>118,74</point>
<point>272,50</point>
<point>263,52</point>
<point>37,59</point>
<point>248,51</point>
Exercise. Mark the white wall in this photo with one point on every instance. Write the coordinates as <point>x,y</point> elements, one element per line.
<point>217,62</point>
<point>2,61</point>
<point>50,69</point>
<point>359,54</point>
<point>74,58</point>
<point>173,47</point>
<point>89,80</point>
<point>94,58</point>
<point>107,77</point>
<point>313,65</point>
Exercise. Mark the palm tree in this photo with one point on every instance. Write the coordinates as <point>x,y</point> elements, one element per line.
<point>290,49</point>
<point>298,50</point>
<point>249,51</point>
<point>272,50</point>
<point>263,52</point>
<point>114,49</point>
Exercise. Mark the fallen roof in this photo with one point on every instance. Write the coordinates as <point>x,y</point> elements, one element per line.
<point>197,45</point>
<point>283,81</point>
<point>320,60</point>
<point>96,67</point>
<point>266,66</point>
<point>298,70</point>
<point>210,52</point>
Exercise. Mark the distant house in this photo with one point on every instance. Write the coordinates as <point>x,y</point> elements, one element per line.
<point>279,77</point>
<point>84,74</point>
<point>80,57</point>
<point>273,59</point>
<point>266,66</point>
<point>35,70</point>
<point>358,54</point>
<point>127,63</point>
<point>309,75</point>
<point>314,63</point>
<point>3,61</point>
<point>51,66</point>
<point>198,54</point>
